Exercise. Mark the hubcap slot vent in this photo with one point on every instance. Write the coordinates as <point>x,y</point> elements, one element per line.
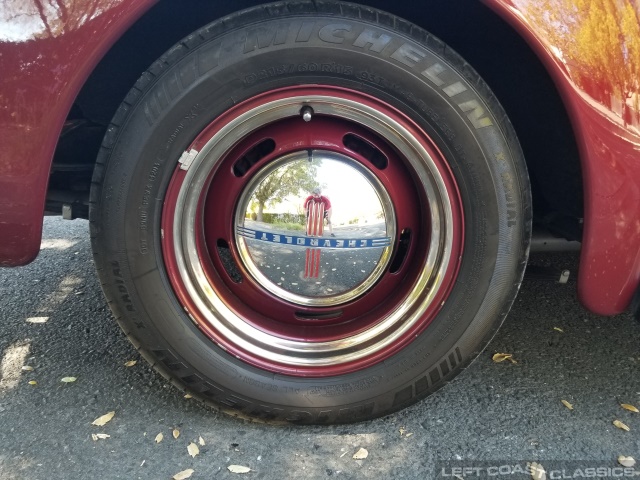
<point>365,149</point>
<point>253,156</point>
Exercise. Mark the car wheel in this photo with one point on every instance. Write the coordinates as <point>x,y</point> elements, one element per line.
<point>253,314</point>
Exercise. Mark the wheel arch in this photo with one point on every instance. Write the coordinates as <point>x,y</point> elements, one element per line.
<point>472,29</point>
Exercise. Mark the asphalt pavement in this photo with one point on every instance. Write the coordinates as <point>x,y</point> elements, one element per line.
<point>495,417</point>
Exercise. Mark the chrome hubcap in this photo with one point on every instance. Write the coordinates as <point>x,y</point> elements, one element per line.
<point>314,268</point>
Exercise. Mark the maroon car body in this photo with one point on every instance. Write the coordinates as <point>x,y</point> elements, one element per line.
<point>607,131</point>
<point>43,72</point>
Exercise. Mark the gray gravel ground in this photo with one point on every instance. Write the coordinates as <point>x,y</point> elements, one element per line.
<point>504,413</point>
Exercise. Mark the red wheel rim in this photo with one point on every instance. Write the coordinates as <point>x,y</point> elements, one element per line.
<point>235,310</point>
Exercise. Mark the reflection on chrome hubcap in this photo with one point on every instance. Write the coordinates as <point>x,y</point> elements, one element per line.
<point>316,267</point>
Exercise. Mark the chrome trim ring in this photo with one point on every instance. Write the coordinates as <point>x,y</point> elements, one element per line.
<point>284,351</point>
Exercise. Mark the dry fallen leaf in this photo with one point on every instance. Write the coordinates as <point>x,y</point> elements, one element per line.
<point>130,363</point>
<point>37,319</point>
<point>238,469</point>
<point>537,471</point>
<point>103,420</point>
<point>626,461</point>
<point>201,441</point>
<point>32,382</point>
<point>621,425</point>
<point>501,357</point>
<point>629,407</point>
<point>193,450</point>
<point>567,404</point>
<point>27,368</point>
<point>183,474</point>
<point>99,436</point>
<point>558,329</point>
<point>361,454</point>
<point>176,433</point>
<point>159,437</point>
<point>68,379</point>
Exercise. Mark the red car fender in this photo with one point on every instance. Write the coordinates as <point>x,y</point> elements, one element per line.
<point>607,130</point>
<point>43,73</point>
<point>44,63</point>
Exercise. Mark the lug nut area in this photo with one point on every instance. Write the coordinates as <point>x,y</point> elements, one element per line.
<point>307,113</point>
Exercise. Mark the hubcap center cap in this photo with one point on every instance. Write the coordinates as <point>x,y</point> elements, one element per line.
<point>315,228</point>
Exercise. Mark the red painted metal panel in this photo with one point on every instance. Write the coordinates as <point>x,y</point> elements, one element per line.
<point>597,76</point>
<point>47,51</point>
